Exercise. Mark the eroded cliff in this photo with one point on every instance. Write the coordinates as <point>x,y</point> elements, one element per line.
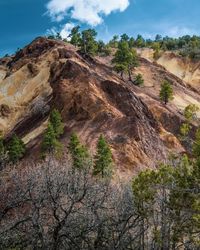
<point>93,100</point>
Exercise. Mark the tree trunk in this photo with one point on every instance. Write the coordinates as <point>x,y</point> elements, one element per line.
<point>122,75</point>
<point>130,77</point>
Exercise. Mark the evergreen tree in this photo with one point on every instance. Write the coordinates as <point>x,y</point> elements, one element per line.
<point>114,42</point>
<point>125,59</point>
<point>140,42</point>
<point>103,49</point>
<point>56,122</point>
<point>132,62</point>
<point>166,92</point>
<point>88,44</point>
<point>125,38</point>
<point>75,36</point>
<point>158,38</point>
<point>50,143</point>
<point>78,152</point>
<point>196,145</point>
<point>139,81</point>
<point>16,149</point>
<point>184,130</point>
<point>190,112</point>
<point>103,159</point>
<point>157,51</point>
<point>131,42</point>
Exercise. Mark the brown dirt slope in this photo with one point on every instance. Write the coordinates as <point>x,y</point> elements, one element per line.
<point>93,100</point>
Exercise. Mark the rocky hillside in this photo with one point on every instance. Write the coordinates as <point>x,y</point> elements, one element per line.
<point>93,100</point>
<point>186,69</point>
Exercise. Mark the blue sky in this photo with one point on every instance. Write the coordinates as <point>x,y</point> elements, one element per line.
<point>23,20</point>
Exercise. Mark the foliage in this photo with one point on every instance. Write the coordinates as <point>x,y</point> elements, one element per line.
<point>103,49</point>
<point>190,112</point>
<point>159,210</point>
<point>157,50</point>
<point>75,36</point>
<point>114,42</point>
<point>196,144</point>
<point>55,129</point>
<point>184,130</point>
<point>139,81</point>
<point>88,44</point>
<point>103,159</point>
<point>56,36</point>
<point>50,144</point>
<point>124,38</point>
<point>140,42</point>
<point>188,46</point>
<point>166,200</point>
<point>56,122</point>
<point>16,149</point>
<point>79,152</point>
<point>166,92</point>
<point>125,59</point>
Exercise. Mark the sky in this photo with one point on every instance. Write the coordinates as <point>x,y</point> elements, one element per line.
<point>23,20</point>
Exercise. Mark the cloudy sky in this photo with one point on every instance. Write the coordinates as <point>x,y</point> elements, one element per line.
<point>23,20</point>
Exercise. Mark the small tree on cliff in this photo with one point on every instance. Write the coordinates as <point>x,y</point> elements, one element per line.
<point>190,112</point>
<point>78,152</point>
<point>166,92</point>
<point>75,36</point>
<point>88,44</point>
<point>125,59</point>
<point>196,145</point>
<point>139,81</point>
<point>50,144</point>
<point>16,149</point>
<point>56,122</point>
<point>103,159</point>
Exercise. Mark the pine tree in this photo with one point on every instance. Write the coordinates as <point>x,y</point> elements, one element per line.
<point>124,37</point>
<point>114,42</point>
<point>75,36</point>
<point>50,143</point>
<point>103,159</point>
<point>196,144</point>
<point>56,122</point>
<point>125,59</point>
<point>140,42</point>
<point>16,149</point>
<point>184,130</point>
<point>190,112</point>
<point>78,152</point>
<point>88,44</point>
<point>166,92</point>
<point>139,81</point>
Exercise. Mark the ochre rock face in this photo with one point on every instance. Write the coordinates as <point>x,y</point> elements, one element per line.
<point>186,69</point>
<point>93,100</point>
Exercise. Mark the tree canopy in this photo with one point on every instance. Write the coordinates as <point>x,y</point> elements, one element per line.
<point>166,92</point>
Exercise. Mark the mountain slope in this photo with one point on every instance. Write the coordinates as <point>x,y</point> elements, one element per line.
<point>93,100</point>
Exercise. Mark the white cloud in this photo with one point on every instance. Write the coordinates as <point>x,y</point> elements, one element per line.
<point>66,30</point>
<point>85,11</point>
